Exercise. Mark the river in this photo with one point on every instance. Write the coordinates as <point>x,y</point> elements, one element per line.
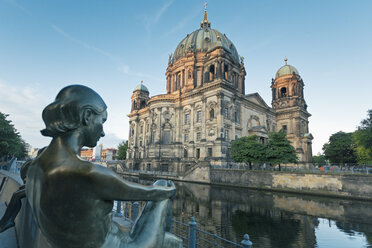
<point>275,219</point>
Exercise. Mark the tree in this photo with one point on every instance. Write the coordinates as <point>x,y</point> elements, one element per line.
<point>122,150</point>
<point>319,160</point>
<point>340,148</point>
<point>365,130</point>
<point>247,150</point>
<point>363,155</point>
<point>11,143</point>
<point>363,140</point>
<point>278,149</point>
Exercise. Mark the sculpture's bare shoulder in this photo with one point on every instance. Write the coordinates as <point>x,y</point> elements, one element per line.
<point>65,193</point>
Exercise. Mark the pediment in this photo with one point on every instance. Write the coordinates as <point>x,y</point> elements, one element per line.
<point>257,99</point>
<point>261,129</point>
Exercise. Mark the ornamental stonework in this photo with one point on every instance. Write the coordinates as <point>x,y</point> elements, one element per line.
<point>206,107</point>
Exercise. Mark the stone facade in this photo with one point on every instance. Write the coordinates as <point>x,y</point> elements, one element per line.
<point>291,110</point>
<point>205,107</point>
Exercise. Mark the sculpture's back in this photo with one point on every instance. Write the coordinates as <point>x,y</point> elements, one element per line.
<point>65,218</point>
<point>72,199</point>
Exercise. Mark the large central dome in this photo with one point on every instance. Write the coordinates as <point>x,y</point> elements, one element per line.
<point>205,39</point>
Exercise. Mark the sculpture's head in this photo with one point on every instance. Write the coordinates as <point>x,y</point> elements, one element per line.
<point>76,108</point>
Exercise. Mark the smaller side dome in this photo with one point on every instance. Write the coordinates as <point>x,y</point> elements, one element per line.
<point>286,70</point>
<point>141,87</point>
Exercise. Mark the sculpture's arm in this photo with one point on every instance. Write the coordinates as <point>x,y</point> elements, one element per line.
<point>110,186</point>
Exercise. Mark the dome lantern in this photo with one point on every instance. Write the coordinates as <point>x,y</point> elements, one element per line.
<point>286,70</point>
<point>204,39</point>
<point>141,87</point>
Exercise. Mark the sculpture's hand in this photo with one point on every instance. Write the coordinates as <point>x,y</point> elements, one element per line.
<point>172,188</point>
<point>170,183</point>
<point>168,187</point>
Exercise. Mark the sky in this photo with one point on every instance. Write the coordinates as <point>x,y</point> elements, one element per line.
<point>111,46</point>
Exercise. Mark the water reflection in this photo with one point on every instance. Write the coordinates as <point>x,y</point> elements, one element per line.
<point>275,219</point>
<point>328,234</point>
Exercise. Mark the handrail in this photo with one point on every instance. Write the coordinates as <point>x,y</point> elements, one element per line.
<point>192,236</point>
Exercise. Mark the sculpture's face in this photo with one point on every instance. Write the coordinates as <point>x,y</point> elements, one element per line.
<point>96,129</point>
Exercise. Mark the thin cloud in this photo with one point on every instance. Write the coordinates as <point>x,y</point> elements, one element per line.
<point>149,22</point>
<point>162,10</point>
<point>24,106</point>
<point>181,25</point>
<point>19,6</point>
<point>126,70</point>
<point>67,35</point>
<point>82,43</point>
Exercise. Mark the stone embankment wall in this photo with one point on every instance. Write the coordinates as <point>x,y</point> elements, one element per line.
<point>349,186</point>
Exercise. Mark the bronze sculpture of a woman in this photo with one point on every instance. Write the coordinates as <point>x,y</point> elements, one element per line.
<point>72,199</point>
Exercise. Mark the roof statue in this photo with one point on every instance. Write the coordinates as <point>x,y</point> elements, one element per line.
<point>72,199</point>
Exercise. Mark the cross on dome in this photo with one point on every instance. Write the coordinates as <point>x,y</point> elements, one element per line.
<point>205,23</point>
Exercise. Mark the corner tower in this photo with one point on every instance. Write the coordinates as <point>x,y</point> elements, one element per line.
<point>290,108</point>
<point>140,97</point>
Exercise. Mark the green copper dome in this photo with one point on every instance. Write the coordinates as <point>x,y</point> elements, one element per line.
<point>286,70</point>
<point>205,39</point>
<point>141,87</point>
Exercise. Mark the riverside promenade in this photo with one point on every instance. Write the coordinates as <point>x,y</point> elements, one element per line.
<point>349,185</point>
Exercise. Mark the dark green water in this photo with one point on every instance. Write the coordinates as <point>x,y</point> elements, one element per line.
<point>275,219</point>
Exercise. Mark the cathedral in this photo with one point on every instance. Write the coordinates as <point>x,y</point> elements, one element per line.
<point>205,108</point>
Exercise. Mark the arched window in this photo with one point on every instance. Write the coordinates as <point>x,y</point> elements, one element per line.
<point>211,72</point>
<point>199,116</point>
<point>189,74</point>
<point>226,113</point>
<point>178,84</point>
<point>283,92</point>
<point>198,78</point>
<point>187,119</point>
<point>211,114</point>
<point>226,72</point>
<point>166,137</point>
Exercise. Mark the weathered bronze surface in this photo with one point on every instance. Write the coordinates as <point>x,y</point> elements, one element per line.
<point>72,199</point>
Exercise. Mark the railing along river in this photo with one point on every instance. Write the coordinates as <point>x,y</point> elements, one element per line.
<point>192,236</point>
